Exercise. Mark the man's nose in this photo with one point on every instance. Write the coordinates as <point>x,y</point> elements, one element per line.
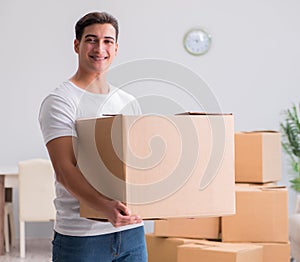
<point>99,45</point>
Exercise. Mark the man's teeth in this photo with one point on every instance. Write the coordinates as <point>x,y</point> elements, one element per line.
<point>98,58</point>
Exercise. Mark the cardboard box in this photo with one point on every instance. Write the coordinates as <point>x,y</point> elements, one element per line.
<point>276,252</point>
<point>162,249</point>
<point>261,215</point>
<point>257,157</point>
<point>201,228</point>
<point>219,252</point>
<point>160,166</point>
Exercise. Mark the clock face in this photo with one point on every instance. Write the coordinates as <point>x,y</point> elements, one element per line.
<point>197,41</point>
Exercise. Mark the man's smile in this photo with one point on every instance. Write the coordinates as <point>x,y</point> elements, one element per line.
<point>98,58</point>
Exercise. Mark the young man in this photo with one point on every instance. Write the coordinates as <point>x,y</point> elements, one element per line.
<point>88,94</point>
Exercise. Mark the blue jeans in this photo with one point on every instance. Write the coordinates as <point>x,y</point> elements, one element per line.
<point>126,246</point>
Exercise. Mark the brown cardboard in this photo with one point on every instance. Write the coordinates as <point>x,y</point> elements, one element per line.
<point>201,228</point>
<point>257,156</point>
<point>173,166</point>
<point>162,249</point>
<point>261,215</point>
<point>276,252</point>
<point>217,252</point>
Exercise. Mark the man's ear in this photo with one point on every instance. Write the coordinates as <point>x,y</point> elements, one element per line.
<point>116,49</point>
<point>76,46</point>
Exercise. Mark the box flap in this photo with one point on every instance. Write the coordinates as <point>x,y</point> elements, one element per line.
<point>92,118</point>
<point>203,113</point>
<point>111,115</point>
<point>224,247</point>
<point>256,187</point>
<point>258,132</point>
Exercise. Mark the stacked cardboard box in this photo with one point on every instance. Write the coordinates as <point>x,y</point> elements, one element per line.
<point>216,252</point>
<point>257,157</point>
<point>200,148</point>
<point>163,249</point>
<point>169,249</point>
<point>198,228</point>
<point>261,206</point>
<point>258,232</point>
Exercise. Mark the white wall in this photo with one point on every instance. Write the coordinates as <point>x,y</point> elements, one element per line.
<point>252,67</point>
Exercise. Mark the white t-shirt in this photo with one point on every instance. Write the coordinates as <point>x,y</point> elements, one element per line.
<point>58,113</point>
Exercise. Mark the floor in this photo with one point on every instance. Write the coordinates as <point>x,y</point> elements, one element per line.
<point>37,250</point>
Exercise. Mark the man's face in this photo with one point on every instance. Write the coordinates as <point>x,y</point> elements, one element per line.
<point>97,48</point>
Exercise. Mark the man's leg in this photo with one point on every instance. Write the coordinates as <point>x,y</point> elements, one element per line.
<point>81,249</point>
<point>132,246</point>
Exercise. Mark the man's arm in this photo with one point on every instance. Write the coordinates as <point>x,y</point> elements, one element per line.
<point>63,159</point>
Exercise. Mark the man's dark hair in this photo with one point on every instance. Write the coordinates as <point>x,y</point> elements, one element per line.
<point>95,18</point>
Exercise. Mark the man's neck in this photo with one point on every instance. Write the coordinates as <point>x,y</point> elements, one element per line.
<point>95,83</point>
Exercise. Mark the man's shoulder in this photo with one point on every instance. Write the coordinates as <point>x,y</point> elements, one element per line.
<point>63,95</point>
<point>64,90</point>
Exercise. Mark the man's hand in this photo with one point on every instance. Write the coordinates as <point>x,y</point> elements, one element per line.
<point>118,214</point>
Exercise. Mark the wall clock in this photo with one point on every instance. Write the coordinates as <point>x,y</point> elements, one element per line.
<point>197,41</point>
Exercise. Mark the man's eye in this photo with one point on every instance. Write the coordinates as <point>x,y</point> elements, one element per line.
<point>108,42</point>
<point>91,40</point>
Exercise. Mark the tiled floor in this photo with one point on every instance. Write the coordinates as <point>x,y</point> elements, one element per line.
<point>37,250</point>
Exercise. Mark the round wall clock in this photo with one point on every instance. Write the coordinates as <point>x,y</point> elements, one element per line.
<point>197,41</point>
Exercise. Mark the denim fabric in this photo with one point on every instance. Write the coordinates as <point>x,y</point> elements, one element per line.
<point>124,246</point>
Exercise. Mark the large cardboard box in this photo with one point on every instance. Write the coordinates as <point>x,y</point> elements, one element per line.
<point>219,252</point>
<point>162,249</point>
<point>201,228</point>
<point>276,252</point>
<point>160,166</point>
<point>257,156</point>
<point>261,215</point>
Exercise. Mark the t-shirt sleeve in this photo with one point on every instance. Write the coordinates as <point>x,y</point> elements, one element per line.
<point>56,118</point>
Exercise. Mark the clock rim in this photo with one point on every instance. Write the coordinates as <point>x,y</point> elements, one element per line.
<point>192,30</point>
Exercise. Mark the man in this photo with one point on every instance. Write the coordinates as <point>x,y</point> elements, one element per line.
<point>88,94</point>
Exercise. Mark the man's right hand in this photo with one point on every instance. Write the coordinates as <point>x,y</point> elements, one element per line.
<point>118,214</point>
